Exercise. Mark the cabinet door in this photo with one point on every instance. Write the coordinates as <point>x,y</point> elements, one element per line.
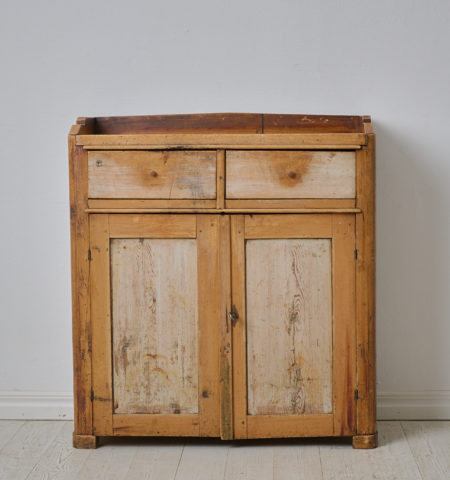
<point>293,309</point>
<point>155,299</point>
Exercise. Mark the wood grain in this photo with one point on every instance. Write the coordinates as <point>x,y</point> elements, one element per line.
<point>155,324</point>
<point>182,123</point>
<point>292,174</point>
<point>239,336</point>
<point>365,290</point>
<point>276,123</point>
<point>289,317</point>
<point>226,361</point>
<point>288,226</point>
<point>156,425</point>
<point>140,203</point>
<point>209,318</point>
<point>222,122</point>
<point>335,141</point>
<point>81,323</point>
<point>141,174</point>
<point>153,226</point>
<point>220,179</point>
<point>102,389</point>
<point>288,203</point>
<point>344,316</point>
<point>285,426</point>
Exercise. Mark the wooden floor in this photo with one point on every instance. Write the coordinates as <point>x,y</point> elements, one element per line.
<point>42,449</point>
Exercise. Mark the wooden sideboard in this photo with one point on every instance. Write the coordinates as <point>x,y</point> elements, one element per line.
<point>223,275</point>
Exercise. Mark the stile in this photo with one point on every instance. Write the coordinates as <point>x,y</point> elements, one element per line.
<point>102,390</point>
<point>209,313</point>
<point>81,325</point>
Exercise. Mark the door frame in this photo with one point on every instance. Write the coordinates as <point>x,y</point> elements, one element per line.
<point>340,228</point>
<point>207,230</point>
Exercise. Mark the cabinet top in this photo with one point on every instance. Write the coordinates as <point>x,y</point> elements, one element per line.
<point>261,123</point>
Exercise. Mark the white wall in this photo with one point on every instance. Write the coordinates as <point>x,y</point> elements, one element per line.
<point>63,59</point>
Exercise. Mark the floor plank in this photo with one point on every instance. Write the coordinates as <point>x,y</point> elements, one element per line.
<point>22,452</point>
<point>42,450</point>
<point>203,462</point>
<point>158,461</point>
<point>250,462</point>
<point>60,461</point>
<point>297,462</point>
<point>109,462</point>
<point>430,445</point>
<point>7,429</point>
<point>392,460</point>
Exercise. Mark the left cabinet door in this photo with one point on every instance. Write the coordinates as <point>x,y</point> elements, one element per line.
<point>155,300</point>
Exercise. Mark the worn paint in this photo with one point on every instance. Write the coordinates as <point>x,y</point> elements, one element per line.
<point>289,317</point>
<point>154,319</point>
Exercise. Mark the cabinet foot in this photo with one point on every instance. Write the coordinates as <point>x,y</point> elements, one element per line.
<point>84,441</point>
<point>365,441</point>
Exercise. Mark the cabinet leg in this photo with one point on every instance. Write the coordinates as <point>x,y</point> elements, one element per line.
<point>365,441</point>
<point>84,441</point>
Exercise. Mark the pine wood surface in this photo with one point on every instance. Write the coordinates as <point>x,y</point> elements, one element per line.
<point>42,449</point>
<point>161,175</point>
<point>334,141</point>
<point>199,242</point>
<point>293,174</point>
<point>154,325</point>
<point>81,322</point>
<point>289,305</point>
<point>225,122</point>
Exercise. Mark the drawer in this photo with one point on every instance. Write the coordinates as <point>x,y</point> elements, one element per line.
<point>170,175</point>
<point>290,174</point>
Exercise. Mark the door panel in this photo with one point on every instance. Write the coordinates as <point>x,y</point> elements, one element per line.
<point>293,345</point>
<point>155,346</point>
<point>289,314</point>
<point>154,325</point>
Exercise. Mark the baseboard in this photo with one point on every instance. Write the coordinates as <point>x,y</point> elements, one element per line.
<point>390,405</point>
<point>36,406</point>
<point>432,405</point>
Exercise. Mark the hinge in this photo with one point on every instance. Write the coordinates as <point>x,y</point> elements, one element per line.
<point>356,254</point>
<point>356,394</point>
<point>89,255</point>
<point>92,395</point>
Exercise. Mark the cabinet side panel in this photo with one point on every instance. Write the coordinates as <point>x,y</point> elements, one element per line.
<point>81,328</point>
<point>289,326</point>
<point>155,323</point>
<point>365,289</point>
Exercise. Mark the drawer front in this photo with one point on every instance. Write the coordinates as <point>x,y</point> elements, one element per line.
<point>152,174</point>
<point>290,174</point>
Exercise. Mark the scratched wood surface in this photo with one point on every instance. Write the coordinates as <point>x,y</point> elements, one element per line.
<point>154,318</point>
<point>143,174</point>
<point>290,174</point>
<point>289,326</point>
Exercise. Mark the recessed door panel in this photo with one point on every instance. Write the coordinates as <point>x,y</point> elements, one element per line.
<point>154,325</point>
<point>289,326</point>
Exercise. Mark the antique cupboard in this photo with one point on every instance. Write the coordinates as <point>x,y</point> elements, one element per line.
<point>223,276</point>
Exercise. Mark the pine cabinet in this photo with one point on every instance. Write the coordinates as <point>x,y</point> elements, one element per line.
<point>223,276</point>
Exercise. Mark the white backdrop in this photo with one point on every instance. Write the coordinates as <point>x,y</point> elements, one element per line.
<point>61,59</point>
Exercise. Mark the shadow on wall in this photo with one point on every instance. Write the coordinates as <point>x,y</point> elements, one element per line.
<point>412,262</point>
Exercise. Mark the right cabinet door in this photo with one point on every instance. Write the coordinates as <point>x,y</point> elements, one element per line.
<point>293,316</point>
